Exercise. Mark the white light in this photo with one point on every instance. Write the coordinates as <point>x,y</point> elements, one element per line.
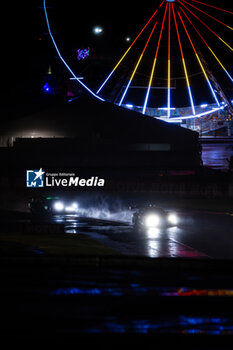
<point>129,105</point>
<point>70,209</point>
<point>165,109</point>
<point>97,30</point>
<point>77,78</point>
<point>59,206</point>
<point>174,121</point>
<point>75,205</point>
<point>172,219</point>
<point>152,220</point>
<point>128,39</point>
<point>204,105</point>
<point>153,232</point>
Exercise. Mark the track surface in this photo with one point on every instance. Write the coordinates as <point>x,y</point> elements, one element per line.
<point>197,235</point>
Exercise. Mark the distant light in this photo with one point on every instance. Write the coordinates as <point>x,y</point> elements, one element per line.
<point>77,78</point>
<point>165,109</point>
<point>46,88</point>
<point>128,39</point>
<point>49,71</point>
<point>172,219</point>
<point>129,105</point>
<point>83,54</point>
<point>98,30</point>
<point>173,121</point>
<point>58,206</point>
<point>72,208</point>
<point>204,105</point>
<point>50,198</point>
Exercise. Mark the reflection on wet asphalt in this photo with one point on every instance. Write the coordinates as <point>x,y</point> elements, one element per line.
<point>122,237</point>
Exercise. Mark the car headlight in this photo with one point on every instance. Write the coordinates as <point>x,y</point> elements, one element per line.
<point>152,220</point>
<point>72,208</point>
<point>172,219</point>
<point>58,206</point>
<point>69,209</point>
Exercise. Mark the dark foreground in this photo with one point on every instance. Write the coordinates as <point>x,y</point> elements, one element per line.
<point>117,302</point>
<point>122,297</point>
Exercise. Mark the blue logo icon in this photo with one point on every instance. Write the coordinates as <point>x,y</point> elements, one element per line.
<point>35,178</point>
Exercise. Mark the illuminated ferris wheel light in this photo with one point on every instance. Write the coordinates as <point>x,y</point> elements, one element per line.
<point>171,16</point>
<point>178,26</point>
<point>62,58</point>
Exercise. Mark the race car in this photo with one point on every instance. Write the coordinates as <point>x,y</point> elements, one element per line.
<point>152,216</point>
<point>52,206</point>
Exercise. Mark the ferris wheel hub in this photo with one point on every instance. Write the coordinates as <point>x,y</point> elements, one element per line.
<point>170,0</point>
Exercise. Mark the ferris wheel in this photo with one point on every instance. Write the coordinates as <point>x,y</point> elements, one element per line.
<point>174,53</point>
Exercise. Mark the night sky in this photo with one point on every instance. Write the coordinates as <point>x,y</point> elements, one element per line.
<point>27,49</point>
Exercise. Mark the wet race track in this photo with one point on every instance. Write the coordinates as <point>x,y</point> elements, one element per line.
<point>197,235</point>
